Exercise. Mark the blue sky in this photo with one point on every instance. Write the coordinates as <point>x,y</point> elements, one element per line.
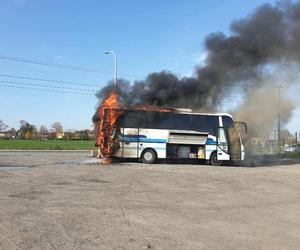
<point>148,36</point>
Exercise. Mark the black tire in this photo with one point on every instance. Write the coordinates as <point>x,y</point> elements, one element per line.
<point>149,156</point>
<point>214,160</point>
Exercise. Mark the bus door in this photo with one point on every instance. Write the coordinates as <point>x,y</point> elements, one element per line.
<point>129,135</point>
<point>222,145</point>
<point>234,140</point>
<point>130,142</point>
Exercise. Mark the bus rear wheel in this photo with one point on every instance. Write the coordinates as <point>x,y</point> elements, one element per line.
<point>214,160</point>
<point>149,156</point>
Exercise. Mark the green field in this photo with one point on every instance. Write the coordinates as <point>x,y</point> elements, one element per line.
<point>292,155</point>
<point>47,145</point>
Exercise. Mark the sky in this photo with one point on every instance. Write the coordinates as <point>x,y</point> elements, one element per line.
<point>148,36</point>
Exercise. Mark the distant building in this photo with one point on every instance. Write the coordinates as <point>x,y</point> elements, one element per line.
<point>8,134</point>
<point>59,135</point>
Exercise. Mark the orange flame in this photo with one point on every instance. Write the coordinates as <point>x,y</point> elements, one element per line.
<point>109,112</point>
<point>152,108</point>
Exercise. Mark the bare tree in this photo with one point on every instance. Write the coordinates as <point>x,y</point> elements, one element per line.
<point>58,129</point>
<point>43,131</point>
<point>286,137</point>
<point>3,126</point>
<point>27,130</point>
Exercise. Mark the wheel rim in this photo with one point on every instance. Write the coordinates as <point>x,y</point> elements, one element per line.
<point>148,156</point>
<point>216,161</point>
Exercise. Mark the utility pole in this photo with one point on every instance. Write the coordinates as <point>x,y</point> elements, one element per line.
<point>279,115</point>
<point>115,67</point>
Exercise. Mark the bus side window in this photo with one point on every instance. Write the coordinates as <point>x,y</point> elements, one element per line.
<point>227,122</point>
<point>205,123</point>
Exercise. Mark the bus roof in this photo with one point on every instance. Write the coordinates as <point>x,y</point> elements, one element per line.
<point>194,112</point>
<point>174,110</point>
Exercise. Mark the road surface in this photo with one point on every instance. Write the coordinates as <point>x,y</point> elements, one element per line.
<point>66,201</point>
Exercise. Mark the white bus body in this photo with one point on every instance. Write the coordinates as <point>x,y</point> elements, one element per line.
<point>163,138</point>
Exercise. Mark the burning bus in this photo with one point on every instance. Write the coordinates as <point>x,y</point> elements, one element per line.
<point>150,133</point>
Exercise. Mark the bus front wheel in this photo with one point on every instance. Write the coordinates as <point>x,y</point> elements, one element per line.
<point>149,156</point>
<point>214,160</point>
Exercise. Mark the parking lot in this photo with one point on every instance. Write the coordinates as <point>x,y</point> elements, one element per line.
<point>64,200</point>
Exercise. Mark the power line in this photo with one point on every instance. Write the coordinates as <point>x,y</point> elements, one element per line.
<point>46,86</point>
<point>236,97</point>
<point>45,90</point>
<point>35,70</point>
<point>48,80</point>
<point>11,85</point>
<point>56,73</point>
<point>78,68</point>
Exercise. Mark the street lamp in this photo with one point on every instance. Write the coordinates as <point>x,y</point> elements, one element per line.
<point>279,114</point>
<point>115,67</point>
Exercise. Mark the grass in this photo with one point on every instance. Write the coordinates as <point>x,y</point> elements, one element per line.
<point>292,155</point>
<point>47,145</point>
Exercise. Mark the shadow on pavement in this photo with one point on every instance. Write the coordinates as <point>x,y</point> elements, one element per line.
<point>266,161</point>
<point>251,161</point>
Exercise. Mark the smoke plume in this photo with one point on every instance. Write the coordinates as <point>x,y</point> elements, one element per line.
<point>261,108</point>
<point>263,40</point>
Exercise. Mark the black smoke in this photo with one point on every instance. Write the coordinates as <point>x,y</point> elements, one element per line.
<point>269,35</point>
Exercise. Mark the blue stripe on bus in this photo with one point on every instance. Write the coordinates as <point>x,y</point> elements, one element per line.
<point>210,141</point>
<point>141,138</point>
<point>128,139</point>
<point>135,139</point>
<point>142,148</point>
<point>133,136</point>
<point>152,140</point>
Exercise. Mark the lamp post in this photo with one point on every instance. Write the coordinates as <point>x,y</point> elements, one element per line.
<point>279,114</point>
<point>115,67</point>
